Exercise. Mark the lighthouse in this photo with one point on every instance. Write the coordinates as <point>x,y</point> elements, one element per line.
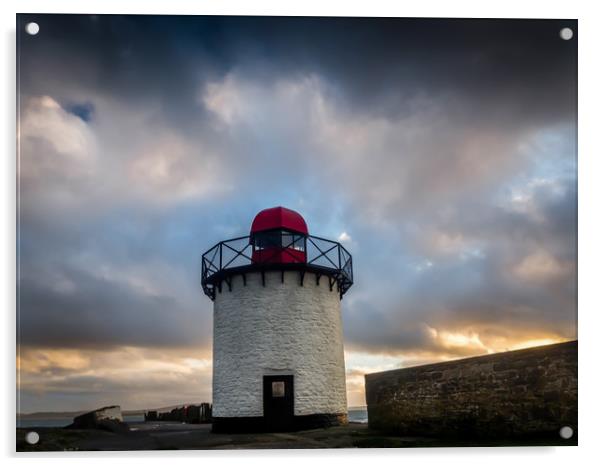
<point>278,361</point>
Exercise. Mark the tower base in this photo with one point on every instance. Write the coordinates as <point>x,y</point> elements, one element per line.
<point>233,425</point>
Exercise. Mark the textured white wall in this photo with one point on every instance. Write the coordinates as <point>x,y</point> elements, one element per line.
<point>282,328</point>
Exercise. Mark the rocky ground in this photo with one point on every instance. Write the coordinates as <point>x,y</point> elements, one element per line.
<point>176,436</point>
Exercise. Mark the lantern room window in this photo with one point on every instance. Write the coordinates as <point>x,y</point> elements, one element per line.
<point>294,241</point>
<point>279,239</point>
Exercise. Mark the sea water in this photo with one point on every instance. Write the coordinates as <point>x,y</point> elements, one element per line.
<point>358,415</point>
<point>354,415</point>
<point>64,421</point>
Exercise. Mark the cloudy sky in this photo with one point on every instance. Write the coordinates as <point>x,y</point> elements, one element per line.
<point>442,153</point>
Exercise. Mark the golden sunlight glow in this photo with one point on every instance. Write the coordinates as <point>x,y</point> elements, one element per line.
<point>133,377</point>
<point>63,359</point>
<point>150,377</point>
<point>450,345</point>
<point>448,339</point>
<point>536,342</point>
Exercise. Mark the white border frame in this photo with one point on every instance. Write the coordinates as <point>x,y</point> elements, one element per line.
<point>590,231</point>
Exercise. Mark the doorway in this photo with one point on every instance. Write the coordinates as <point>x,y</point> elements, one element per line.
<point>278,402</point>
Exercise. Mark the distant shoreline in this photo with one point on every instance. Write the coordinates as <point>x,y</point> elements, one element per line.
<point>44,415</point>
<point>68,414</point>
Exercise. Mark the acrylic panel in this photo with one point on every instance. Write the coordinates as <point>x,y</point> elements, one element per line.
<point>358,231</point>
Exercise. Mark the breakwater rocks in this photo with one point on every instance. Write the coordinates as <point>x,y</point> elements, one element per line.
<point>191,414</point>
<point>530,392</point>
<point>107,418</point>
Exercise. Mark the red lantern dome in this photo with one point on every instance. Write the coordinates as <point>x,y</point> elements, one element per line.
<point>278,235</point>
<point>279,218</point>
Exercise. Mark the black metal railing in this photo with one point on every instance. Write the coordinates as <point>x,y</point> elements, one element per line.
<point>322,256</point>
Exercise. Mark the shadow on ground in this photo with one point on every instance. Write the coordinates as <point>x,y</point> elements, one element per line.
<point>176,436</point>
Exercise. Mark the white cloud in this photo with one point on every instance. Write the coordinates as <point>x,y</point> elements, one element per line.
<point>123,156</point>
<point>390,165</point>
<point>540,266</point>
<point>53,141</point>
<point>344,237</point>
<point>169,168</point>
<point>423,266</point>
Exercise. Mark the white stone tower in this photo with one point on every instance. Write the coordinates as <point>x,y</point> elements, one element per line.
<point>278,359</point>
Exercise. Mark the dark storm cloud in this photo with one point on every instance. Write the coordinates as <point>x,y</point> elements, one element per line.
<point>92,313</point>
<point>498,68</point>
<point>108,282</point>
<point>162,136</point>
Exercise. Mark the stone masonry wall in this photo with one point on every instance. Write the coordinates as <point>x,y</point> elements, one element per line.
<point>279,328</point>
<point>530,391</point>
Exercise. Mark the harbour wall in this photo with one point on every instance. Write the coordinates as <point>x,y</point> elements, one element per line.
<point>523,392</point>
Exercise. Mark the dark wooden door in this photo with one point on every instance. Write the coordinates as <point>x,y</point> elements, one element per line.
<point>278,402</point>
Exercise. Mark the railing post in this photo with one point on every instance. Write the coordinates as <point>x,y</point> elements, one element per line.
<point>349,266</point>
<point>305,249</point>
